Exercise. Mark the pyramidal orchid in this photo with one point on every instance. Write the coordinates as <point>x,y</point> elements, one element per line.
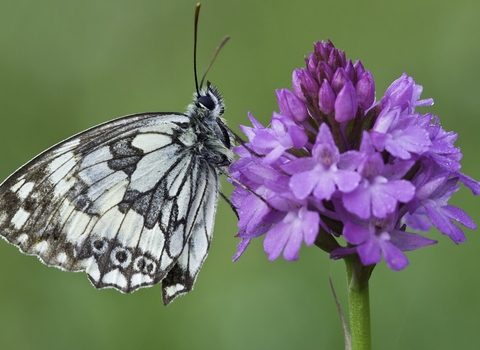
<point>352,175</point>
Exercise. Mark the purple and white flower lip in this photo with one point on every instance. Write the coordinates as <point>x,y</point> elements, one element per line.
<point>333,163</point>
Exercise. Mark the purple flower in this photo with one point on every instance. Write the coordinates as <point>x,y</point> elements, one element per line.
<point>399,133</point>
<point>405,94</point>
<point>333,165</point>
<point>288,234</point>
<point>319,174</point>
<point>376,196</point>
<point>375,238</point>
<point>274,141</point>
<point>431,202</point>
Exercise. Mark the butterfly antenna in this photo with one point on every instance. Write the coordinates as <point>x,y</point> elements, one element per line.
<point>197,14</point>
<point>219,47</point>
<point>222,43</point>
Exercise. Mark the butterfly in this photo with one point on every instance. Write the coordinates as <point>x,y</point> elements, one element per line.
<point>132,201</point>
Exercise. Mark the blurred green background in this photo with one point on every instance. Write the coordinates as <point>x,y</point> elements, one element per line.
<point>68,65</point>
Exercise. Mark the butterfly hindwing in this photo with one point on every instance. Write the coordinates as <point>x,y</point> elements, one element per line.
<point>128,201</point>
<point>181,277</point>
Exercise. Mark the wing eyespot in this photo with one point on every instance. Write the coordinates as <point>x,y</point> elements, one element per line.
<point>99,246</point>
<point>145,265</point>
<point>121,257</point>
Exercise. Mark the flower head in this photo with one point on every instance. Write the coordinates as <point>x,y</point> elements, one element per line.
<point>333,163</point>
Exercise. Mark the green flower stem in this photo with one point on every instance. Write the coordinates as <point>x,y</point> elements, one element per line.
<point>359,303</point>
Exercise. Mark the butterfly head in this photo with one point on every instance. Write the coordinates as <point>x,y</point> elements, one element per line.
<point>206,113</point>
<point>208,103</point>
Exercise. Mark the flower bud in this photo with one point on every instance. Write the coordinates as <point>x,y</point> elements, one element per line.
<point>346,104</point>
<point>350,71</point>
<point>324,72</point>
<point>326,98</point>
<point>304,84</point>
<point>365,89</point>
<point>291,106</point>
<point>359,69</point>
<point>340,78</point>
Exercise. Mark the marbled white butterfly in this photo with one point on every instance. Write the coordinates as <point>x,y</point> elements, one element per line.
<point>131,201</point>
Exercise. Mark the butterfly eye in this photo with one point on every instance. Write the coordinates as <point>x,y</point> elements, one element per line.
<point>207,102</point>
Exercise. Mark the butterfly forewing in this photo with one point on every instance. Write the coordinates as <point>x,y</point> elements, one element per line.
<point>131,202</point>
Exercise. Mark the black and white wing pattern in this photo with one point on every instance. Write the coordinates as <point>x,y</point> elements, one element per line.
<point>131,202</point>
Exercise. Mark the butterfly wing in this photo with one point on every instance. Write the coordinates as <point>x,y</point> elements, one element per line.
<point>128,201</point>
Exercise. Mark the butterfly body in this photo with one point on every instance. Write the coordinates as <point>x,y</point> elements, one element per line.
<point>131,202</point>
